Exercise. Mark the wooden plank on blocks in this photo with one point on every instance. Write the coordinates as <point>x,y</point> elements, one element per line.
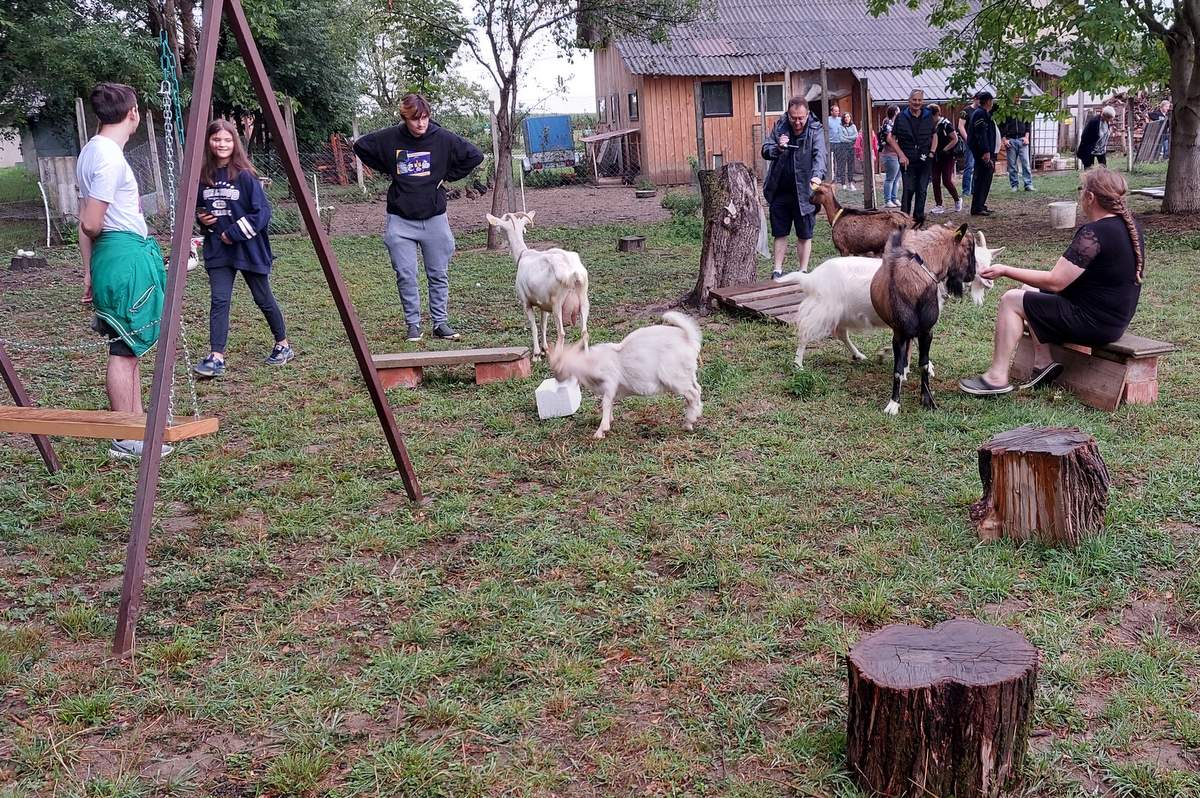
<point>1138,347</point>
<point>96,424</point>
<point>1098,383</point>
<point>730,291</point>
<point>450,357</point>
<point>769,291</point>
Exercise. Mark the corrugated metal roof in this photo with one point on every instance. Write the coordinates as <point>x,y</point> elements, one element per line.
<point>745,37</point>
<point>895,84</point>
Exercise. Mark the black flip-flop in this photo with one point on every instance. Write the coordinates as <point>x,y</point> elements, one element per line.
<point>1044,377</point>
<point>978,386</point>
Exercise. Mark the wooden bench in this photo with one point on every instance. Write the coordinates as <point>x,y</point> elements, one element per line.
<point>491,365</point>
<point>1103,377</point>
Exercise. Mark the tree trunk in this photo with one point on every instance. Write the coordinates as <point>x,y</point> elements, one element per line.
<point>940,712</point>
<point>1182,193</point>
<point>187,20</point>
<point>1043,483</point>
<point>172,35</point>
<point>731,220</point>
<point>504,137</point>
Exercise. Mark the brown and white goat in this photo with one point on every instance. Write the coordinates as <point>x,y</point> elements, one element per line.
<point>907,293</point>
<point>857,231</point>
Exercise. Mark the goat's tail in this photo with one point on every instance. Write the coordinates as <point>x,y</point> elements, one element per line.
<point>795,277</point>
<point>685,323</point>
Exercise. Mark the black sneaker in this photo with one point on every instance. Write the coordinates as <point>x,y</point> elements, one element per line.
<point>445,332</point>
<point>281,354</point>
<point>775,275</point>
<point>414,332</point>
<point>210,367</point>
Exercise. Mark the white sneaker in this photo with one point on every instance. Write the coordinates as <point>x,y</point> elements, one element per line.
<point>957,205</point>
<point>1013,189</point>
<point>131,450</point>
<point>937,209</point>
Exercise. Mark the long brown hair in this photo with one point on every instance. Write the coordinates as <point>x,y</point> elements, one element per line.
<point>238,161</point>
<point>1109,188</point>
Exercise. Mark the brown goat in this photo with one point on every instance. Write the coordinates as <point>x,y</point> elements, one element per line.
<point>907,293</point>
<point>857,231</point>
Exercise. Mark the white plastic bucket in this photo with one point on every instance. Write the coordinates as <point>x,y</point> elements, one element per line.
<point>1062,215</point>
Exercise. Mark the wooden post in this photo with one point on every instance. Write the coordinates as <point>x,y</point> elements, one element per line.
<point>701,154</point>
<point>289,121</point>
<point>868,134</point>
<point>160,196</point>
<point>825,121</point>
<point>940,712</point>
<point>358,169</point>
<point>80,123</point>
<point>1129,130</point>
<point>731,220</point>
<point>164,362</point>
<point>1042,483</point>
<point>21,399</point>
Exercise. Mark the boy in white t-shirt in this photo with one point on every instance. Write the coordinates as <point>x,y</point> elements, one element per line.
<point>123,270</point>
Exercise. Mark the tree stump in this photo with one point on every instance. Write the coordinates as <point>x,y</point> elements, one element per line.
<point>631,244</point>
<point>731,219</point>
<point>940,712</point>
<point>1043,483</point>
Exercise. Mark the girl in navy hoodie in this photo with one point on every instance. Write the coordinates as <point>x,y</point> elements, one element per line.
<point>233,212</point>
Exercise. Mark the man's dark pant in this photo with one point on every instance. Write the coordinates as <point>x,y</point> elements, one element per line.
<point>984,170</point>
<point>916,186</point>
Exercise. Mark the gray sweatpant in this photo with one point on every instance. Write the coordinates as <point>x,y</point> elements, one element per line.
<point>433,236</point>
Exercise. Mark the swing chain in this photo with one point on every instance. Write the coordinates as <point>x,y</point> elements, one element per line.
<point>173,127</point>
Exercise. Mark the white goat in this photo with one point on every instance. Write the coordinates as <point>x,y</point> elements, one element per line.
<point>662,358</point>
<point>837,298</point>
<point>549,280</point>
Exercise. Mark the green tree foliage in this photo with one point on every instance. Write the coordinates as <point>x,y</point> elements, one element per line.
<point>52,51</point>
<point>412,49</point>
<point>1105,44</point>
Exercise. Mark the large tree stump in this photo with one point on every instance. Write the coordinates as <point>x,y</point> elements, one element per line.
<point>940,712</point>
<point>1043,483</point>
<point>731,219</point>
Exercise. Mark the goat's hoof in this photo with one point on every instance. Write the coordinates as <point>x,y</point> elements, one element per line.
<point>928,403</point>
<point>799,363</point>
<point>893,408</point>
<point>859,356</point>
<point>689,426</point>
<point>599,435</point>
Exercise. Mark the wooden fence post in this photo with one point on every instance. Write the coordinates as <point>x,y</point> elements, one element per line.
<point>160,197</point>
<point>357,163</point>
<point>80,123</point>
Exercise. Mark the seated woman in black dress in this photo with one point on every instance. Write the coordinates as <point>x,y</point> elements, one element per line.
<point>1088,297</point>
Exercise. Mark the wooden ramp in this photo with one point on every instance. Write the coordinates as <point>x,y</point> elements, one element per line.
<point>768,299</point>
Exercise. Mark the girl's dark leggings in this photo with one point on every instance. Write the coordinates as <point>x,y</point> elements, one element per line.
<point>220,279</point>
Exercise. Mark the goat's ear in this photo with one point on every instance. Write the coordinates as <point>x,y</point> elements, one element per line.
<point>996,252</point>
<point>962,231</point>
<point>530,216</point>
<point>980,239</point>
<point>494,222</point>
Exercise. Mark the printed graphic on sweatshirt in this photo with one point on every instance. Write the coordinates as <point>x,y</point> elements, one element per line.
<point>220,199</point>
<point>410,163</point>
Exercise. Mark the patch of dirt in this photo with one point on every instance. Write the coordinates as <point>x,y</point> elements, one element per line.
<point>1138,620</point>
<point>571,206</point>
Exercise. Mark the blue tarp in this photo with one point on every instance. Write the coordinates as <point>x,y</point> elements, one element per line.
<point>548,134</point>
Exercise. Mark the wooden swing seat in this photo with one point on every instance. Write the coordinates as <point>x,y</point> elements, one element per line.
<point>96,424</point>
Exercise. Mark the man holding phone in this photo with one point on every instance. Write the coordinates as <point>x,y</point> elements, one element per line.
<point>796,150</point>
<point>912,137</point>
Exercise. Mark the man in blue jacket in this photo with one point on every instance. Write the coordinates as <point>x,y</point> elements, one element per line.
<point>796,150</point>
<point>421,156</point>
<point>982,142</point>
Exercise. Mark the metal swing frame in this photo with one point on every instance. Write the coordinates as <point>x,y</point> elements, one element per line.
<point>157,418</point>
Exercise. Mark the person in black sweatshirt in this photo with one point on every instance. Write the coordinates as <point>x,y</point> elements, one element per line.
<point>982,141</point>
<point>234,214</point>
<point>420,156</point>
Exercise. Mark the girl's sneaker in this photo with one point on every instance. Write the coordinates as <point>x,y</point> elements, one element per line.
<point>210,367</point>
<point>938,209</point>
<point>281,354</point>
<point>131,450</point>
<point>958,205</point>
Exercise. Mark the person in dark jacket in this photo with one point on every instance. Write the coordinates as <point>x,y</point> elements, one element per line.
<point>1093,141</point>
<point>1161,113</point>
<point>234,214</point>
<point>1015,132</point>
<point>982,141</point>
<point>421,157</point>
<point>912,136</point>
<point>796,150</point>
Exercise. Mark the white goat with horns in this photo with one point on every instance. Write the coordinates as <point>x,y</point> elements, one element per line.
<point>549,280</point>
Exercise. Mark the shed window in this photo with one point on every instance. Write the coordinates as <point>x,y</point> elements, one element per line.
<point>633,106</point>
<point>768,98</point>
<point>717,98</point>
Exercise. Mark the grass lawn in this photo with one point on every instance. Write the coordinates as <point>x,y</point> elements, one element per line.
<point>659,613</point>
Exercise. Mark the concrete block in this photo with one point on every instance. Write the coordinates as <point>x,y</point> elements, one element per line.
<point>505,370</point>
<point>403,377</point>
<point>555,399</point>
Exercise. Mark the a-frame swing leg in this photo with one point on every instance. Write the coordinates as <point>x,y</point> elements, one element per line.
<point>164,365</point>
<point>21,399</point>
